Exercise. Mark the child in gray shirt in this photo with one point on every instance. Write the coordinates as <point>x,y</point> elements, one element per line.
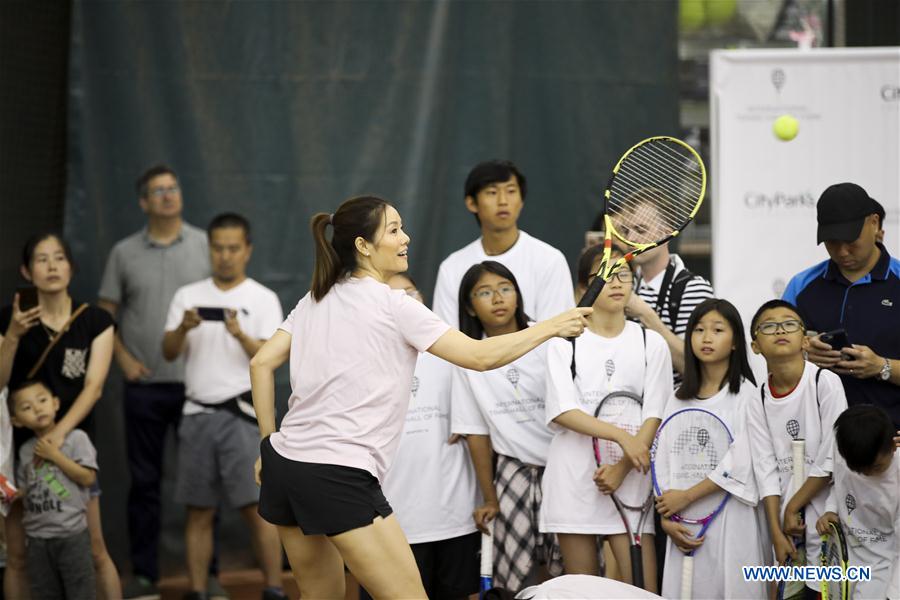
<point>54,486</point>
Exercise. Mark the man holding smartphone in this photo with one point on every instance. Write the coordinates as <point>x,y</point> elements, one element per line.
<point>854,291</point>
<point>141,276</point>
<point>218,324</point>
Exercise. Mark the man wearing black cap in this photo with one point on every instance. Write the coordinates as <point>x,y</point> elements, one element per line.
<point>857,290</point>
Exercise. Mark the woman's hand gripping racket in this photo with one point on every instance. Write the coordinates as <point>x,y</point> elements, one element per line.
<point>624,410</point>
<point>655,190</point>
<point>688,446</point>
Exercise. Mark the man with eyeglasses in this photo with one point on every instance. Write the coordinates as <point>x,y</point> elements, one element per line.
<point>858,291</point>
<point>141,276</point>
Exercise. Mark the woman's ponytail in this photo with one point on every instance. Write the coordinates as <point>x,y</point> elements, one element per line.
<point>356,217</point>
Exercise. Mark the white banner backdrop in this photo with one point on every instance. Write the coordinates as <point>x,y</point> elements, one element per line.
<point>764,190</point>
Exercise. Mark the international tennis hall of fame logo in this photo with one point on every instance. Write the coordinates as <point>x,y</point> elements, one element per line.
<point>850,503</point>
<point>693,454</point>
<point>414,389</point>
<point>513,376</point>
<point>793,429</point>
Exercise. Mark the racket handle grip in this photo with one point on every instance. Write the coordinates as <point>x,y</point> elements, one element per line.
<point>487,561</point>
<point>687,577</point>
<point>590,295</point>
<point>637,567</point>
<point>798,452</point>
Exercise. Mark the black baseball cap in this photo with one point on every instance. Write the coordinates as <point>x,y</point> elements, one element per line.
<point>841,210</point>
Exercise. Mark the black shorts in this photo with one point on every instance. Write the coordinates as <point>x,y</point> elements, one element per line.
<point>449,568</point>
<point>320,499</point>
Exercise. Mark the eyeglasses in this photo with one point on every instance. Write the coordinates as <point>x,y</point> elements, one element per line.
<point>623,275</point>
<point>162,191</point>
<point>771,327</point>
<point>486,293</point>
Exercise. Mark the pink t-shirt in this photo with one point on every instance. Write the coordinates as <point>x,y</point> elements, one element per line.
<point>353,355</point>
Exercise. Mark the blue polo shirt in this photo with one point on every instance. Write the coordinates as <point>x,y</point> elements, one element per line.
<point>868,310</point>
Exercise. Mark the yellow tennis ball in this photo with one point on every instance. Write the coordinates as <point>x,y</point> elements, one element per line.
<point>785,128</point>
<point>691,14</point>
<point>720,12</point>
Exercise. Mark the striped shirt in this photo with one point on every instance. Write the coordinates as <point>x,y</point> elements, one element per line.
<point>696,291</point>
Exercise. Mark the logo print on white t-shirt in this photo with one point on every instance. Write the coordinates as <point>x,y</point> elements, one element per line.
<point>793,428</point>
<point>415,386</point>
<point>850,503</point>
<point>610,368</point>
<point>74,362</point>
<point>512,374</point>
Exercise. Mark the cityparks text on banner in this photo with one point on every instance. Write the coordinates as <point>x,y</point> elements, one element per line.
<point>846,106</point>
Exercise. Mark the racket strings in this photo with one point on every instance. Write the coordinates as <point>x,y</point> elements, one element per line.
<point>687,449</point>
<point>625,413</point>
<point>655,192</point>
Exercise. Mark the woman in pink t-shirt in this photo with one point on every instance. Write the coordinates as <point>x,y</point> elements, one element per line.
<point>352,343</point>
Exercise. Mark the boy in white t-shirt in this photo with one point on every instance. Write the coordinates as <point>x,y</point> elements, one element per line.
<point>798,402</point>
<point>218,324</point>
<point>864,498</point>
<point>495,193</point>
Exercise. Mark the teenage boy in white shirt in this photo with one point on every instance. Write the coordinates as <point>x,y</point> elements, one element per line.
<point>218,324</point>
<point>495,193</point>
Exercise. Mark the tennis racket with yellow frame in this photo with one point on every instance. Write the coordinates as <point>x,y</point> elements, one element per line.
<point>655,190</point>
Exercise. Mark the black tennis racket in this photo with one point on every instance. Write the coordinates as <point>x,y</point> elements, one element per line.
<point>834,554</point>
<point>655,190</point>
<point>688,446</point>
<point>624,410</point>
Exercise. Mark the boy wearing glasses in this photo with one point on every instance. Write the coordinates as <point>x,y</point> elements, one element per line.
<point>799,401</point>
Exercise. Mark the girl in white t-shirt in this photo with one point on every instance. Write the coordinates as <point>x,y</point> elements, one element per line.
<point>352,344</point>
<point>502,411</point>
<point>613,355</point>
<point>717,378</point>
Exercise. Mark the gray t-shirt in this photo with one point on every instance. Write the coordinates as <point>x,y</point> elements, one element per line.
<point>141,276</point>
<point>55,506</point>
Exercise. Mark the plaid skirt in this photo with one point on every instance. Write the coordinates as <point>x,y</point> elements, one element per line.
<point>517,541</point>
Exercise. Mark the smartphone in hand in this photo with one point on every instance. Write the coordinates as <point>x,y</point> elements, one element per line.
<point>28,297</point>
<point>837,339</point>
<point>210,313</point>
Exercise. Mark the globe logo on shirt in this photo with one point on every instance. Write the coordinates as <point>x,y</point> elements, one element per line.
<point>415,386</point>
<point>512,374</point>
<point>610,367</point>
<point>793,428</point>
<point>702,437</point>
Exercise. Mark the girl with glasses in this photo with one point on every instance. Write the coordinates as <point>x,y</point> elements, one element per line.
<point>502,412</point>
<point>614,355</point>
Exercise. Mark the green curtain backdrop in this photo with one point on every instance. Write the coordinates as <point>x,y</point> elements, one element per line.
<point>280,109</point>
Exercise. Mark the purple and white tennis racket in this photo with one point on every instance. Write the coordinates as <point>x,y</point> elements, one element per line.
<point>688,446</point>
